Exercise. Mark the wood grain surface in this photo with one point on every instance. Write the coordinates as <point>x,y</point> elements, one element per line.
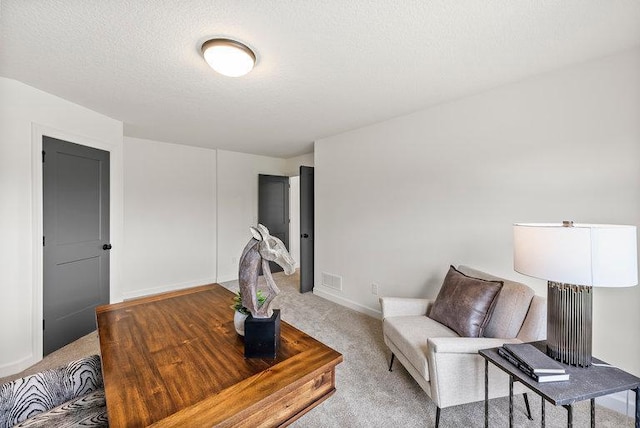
<point>175,360</point>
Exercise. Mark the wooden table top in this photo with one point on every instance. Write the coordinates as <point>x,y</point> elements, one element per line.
<point>175,358</point>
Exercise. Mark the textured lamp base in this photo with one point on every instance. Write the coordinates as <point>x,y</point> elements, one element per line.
<point>569,315</point>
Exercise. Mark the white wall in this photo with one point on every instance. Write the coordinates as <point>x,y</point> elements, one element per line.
<point>399,201</point>
<point>170,217</point>
<point>292,166</point>
<point>237,192</point>
<point>168,210</point>
<point>25,115</point>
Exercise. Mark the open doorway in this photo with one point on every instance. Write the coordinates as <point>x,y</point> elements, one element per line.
<point>273,209</point>
<point>287,203</point>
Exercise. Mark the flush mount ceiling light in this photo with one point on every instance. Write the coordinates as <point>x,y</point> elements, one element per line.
<point>228,57</point>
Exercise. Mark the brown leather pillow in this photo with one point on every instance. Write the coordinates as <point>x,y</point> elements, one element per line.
<point>465,304</point>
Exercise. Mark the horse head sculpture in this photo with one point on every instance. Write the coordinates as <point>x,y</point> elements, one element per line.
<point>259,251</point>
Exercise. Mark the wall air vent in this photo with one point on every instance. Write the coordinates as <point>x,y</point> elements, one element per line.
<point>332,281</point>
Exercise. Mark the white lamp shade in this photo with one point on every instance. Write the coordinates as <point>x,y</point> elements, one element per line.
<point>598,255</point>
<point>228,57</point>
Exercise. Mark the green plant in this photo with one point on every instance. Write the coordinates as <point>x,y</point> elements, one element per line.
<point>237,302</point>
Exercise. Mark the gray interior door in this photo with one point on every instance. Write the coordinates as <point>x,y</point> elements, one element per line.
<point>76,239</point>
<point>273,208</point>
<point>306,229</point>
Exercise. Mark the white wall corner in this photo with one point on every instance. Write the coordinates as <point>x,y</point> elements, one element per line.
<point>172,201</point>
<point>17,366</point>
<point>227,278</point>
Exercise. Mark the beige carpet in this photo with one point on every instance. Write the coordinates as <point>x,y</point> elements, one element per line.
<point>87,345</point>
<point>368,395</point>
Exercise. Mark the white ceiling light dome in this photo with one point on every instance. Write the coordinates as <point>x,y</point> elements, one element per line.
<point>228,57</point>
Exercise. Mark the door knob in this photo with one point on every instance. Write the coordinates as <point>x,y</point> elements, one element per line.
<point>106,247</point>
<point>305,235</point>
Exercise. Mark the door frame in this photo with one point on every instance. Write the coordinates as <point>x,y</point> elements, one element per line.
<point>115,222</point>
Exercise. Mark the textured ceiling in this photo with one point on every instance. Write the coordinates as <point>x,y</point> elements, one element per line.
<point>324,66</point>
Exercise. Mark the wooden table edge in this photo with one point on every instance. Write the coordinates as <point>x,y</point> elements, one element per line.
<point>209,407</point>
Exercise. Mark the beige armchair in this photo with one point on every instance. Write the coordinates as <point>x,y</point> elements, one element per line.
<point>448,366</point>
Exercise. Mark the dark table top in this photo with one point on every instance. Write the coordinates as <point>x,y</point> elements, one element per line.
<point>583,384</point>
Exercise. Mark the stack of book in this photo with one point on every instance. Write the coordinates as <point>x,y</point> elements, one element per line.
<point>533,362</point>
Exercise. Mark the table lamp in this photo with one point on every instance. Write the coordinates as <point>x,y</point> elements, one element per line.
<point>573,258</point>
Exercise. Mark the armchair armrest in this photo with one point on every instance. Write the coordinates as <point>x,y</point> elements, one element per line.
<point>457,371</point>
<point>465,345</point>
<point>404,306</point>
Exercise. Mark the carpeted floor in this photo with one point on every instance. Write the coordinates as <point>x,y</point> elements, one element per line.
<point>368,395</point>
<point>87,345</point>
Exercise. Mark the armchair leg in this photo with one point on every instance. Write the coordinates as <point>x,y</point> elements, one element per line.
<point>526,404</point>
<point>393,356</point>
<point>437,417</point>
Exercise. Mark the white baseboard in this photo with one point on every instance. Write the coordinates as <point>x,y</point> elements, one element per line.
<point>321,292</point>
<point>226,278</point>
<point>17,366</point>
<point>164,288</point>
<point>621,402</point>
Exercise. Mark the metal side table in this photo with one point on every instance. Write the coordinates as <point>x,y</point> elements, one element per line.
<point>584,384</point>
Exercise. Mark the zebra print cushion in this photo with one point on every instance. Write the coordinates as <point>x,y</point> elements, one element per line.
<point>87,411</point>
<point>29,396</point>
